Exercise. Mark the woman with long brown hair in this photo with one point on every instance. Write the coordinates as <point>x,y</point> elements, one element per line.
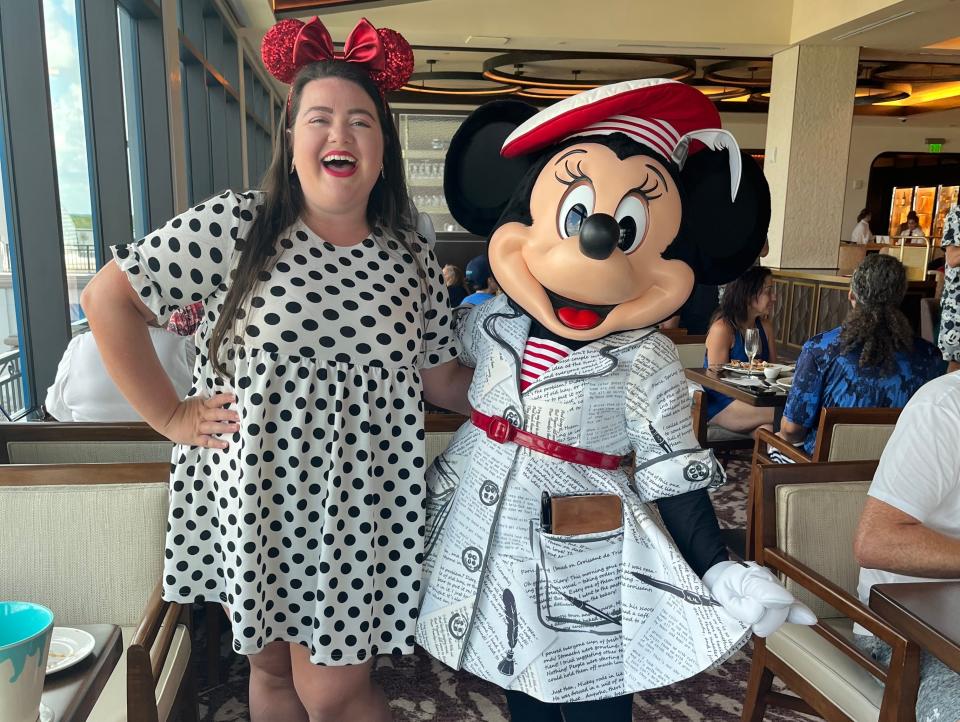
<point>297,482</point>
<point>745,308</point>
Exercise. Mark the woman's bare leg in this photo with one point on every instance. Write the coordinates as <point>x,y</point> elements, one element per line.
<point>273,696</point>
<point>337,694</point>
<point>743,418</point>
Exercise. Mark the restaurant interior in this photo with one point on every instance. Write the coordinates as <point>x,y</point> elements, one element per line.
<point>118,115</point>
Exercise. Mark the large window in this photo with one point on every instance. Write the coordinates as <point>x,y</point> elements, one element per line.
<point>12,382</point>
<point>210,69</point>
<point>259,122</point>
<point>132,112</point>
<point>70,140</point>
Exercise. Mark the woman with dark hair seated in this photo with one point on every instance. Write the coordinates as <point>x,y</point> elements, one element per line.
<point>746,304</point>
<point>872,360</point>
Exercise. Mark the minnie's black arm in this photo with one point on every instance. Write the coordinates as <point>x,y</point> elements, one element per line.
<point>692,523</point>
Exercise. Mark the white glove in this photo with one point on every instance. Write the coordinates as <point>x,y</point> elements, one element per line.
<point>752,595</point>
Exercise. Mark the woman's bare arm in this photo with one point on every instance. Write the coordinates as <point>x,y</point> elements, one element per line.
<point>118,320</point>
<point>446,386</point>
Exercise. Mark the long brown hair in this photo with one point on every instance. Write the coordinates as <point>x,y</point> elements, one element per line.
<point>739,294</point>
<point>388,206</point>
<point>876,327</point>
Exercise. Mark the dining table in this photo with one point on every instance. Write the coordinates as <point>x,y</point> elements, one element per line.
<point>926,612</point>
<point>72,693</point>
<point>766,395</point>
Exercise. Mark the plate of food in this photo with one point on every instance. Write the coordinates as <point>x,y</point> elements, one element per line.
<point>68,647</point>
<point>745,367</point>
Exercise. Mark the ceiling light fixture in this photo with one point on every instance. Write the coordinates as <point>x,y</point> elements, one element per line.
<point>720,92</point>
<point>455,82</point>
<point>743,73</point>
<point>871,92</point>
<point>494,69</point>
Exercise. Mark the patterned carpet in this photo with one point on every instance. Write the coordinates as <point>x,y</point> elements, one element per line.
<point>421,689</point>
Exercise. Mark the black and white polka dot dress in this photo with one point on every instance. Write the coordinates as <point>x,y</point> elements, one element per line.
<point>310,526</point>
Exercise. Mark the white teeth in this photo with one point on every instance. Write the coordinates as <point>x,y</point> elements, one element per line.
<point>344,158</point>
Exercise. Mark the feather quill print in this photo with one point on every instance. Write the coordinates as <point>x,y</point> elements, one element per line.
<point>513,625</point>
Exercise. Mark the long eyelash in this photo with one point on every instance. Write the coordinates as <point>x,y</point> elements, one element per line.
<point>574,175</point>
<point>647,192</point>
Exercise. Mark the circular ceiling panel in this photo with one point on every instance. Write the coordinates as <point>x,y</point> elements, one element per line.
<point>744,73</point>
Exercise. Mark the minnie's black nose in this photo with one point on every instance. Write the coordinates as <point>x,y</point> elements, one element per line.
<point>599,235</point>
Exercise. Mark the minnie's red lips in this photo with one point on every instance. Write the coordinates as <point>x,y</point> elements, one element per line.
<point>577,315</point>
<point>579,319</point>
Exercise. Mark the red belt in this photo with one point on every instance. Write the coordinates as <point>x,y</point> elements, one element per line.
<point>502,431</point>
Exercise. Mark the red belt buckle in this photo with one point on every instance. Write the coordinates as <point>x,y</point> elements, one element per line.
<point>500,430</point>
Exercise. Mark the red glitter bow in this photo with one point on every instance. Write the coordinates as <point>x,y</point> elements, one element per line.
<point>291,44</point>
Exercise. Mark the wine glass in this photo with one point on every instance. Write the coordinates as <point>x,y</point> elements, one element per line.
<point>751,344</point>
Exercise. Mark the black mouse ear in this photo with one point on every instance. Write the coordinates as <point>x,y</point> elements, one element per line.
<point>477,181</point>
<point>719,238</point>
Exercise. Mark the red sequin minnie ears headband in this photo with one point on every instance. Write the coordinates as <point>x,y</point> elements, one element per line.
<point>291,44</point>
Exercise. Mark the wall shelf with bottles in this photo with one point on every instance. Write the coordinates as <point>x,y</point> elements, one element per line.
<point>424,139</point>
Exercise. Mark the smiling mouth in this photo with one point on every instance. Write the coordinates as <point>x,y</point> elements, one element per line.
<point>340,165</point>
<point>576,315</point>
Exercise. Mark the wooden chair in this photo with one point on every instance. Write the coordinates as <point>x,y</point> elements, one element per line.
<point>691,349</point>
<point>711,436</point>
<point>842,435</point>
<point>929,316</point>
<point>80,442</point>
<point>87,541</point>
<point>807,516</point>
<point>93,443</point>
<point>440,428</point>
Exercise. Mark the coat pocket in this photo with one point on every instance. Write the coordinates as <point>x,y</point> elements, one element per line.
<point>574,581</point>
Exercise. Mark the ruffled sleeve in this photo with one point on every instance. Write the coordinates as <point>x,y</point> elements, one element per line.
<point>189,257</point>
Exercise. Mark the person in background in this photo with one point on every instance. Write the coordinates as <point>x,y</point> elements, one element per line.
<point>872,360</point>
<point>747,303</point>
<point>454,279</point>
<point>910,527</point>
<point>483,286</point>
<point>911,229</point>
<point>861,232</point>
<point>948,338</point>
<point>697,312</point>
<point>84,391</point>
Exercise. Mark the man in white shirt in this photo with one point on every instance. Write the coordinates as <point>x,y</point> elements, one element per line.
<point>910,528</point>
<point>83,391</point>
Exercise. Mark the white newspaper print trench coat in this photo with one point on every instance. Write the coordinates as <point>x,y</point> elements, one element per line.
<point>568,618</point>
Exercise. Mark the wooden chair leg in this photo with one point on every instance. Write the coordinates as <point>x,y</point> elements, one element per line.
<point>186,704</point>
<point>758,684</point>
<point>751,542</point>
<point>214,614</point>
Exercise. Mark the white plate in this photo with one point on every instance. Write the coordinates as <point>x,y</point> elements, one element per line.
<point>784,383</point>
<point>68,647</point>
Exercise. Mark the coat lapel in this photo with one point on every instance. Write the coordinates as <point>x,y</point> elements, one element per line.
<point>506,330</point>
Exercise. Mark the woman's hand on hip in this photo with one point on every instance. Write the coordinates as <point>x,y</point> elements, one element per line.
<point>201,421</point>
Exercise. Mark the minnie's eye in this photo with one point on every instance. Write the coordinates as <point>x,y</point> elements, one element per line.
<point>577,205</point>
<point>631,215</point>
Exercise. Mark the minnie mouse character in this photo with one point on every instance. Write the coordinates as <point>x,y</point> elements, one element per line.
<point>547,570</point>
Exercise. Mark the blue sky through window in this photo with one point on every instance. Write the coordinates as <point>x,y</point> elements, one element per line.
<point>66,100</point>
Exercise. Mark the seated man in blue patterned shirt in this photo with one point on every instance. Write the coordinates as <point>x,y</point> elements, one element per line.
<point>872,360</point>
